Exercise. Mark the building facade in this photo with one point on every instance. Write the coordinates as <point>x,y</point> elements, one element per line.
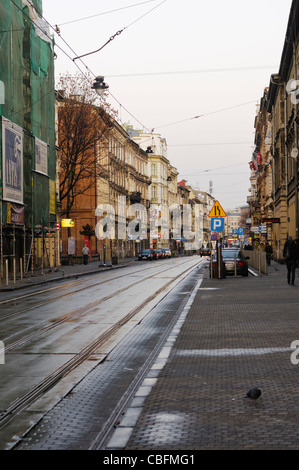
<point>101,213</point>
<point>274,179</point>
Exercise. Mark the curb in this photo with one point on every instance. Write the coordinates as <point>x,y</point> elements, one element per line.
<point>62,278</point>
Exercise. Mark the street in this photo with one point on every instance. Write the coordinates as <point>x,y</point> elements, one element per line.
<point>62,331</point>
<point>174,378</point>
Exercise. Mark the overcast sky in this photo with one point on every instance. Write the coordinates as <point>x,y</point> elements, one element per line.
<point>179,61</point>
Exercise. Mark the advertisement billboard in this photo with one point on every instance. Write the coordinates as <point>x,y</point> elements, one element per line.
<point>12,162</point>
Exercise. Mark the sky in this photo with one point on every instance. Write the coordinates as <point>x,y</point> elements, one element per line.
<point>193,71</point>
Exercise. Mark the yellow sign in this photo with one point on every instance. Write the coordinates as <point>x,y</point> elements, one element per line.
<point>67,223</point>
<point>217,211</point>
<point>52,203</point>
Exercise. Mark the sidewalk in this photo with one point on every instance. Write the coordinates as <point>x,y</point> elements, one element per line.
<point>61,273</point>
<point>237,335</point>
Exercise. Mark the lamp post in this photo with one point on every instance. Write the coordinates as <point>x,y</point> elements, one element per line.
<point>99,85</point>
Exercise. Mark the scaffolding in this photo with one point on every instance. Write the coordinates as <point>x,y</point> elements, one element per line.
<point>27,138</point>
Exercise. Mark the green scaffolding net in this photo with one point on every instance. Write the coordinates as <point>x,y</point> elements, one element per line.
<point>27,99</point>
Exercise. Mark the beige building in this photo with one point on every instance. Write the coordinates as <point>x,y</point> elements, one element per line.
<point>162,188</point>
<point>208,202</point>
<point>125,182</point>
<point>274,193</point>
<point>232,224</point>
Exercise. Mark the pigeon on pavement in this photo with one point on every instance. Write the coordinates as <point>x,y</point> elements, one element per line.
<point>254,393</point>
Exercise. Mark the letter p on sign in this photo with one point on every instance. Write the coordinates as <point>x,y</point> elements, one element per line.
<point>217,225</point>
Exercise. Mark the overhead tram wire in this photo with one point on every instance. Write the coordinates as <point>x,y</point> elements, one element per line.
<point>90,71</point>
<point>119,32</point>
<point>218,168</point>
<point>206,114</point>
<point>69,57</point>
<point>183,72</point>
<point>105,13</point>
<point>210,143</point>
<point>94,75</point>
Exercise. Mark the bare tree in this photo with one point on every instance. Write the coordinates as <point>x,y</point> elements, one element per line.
<point>84,121</point>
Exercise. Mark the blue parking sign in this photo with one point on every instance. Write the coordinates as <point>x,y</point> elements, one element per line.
<point>241,231</point>
<point>217,224</point>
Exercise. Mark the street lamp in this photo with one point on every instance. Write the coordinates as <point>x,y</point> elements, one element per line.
<point>100,86</point>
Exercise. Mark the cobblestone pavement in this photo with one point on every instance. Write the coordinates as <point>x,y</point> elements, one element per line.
<point>238,334</point>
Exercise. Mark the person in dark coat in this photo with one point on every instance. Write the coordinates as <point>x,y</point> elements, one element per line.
<point>269,251</point>
<point>290,255</point>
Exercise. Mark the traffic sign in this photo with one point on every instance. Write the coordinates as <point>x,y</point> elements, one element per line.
<point>217,225</point>
<point>67,223</point>
<point>241,231</point>
<point>213,236</point>
<point>262,228</point>
<point>217,211</point>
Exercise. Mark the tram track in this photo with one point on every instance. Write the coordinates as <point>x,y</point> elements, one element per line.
<point>61,296</point>
<point>67,317</point>
<point>46,384</point>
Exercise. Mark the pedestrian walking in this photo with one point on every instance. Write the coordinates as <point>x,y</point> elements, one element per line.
<point>290,255</point>
<point>268,251</point>
<point>85,251</point>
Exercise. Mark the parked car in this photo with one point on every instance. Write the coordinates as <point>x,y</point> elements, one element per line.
<point>147,255</point>
<point>205,252</point>
<point>167,252</point>
<point>228,258</point>
<point>159,253</point>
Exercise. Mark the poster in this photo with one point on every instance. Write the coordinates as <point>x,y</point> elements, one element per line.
<point>71,246</point>
<point>12,161</point>
<point>15,214</point>
<point>41,156</point>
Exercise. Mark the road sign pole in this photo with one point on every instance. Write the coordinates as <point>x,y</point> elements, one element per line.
<point>219,259</point>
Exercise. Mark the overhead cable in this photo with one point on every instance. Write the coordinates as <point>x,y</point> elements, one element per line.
<point>105,12</point>
<point>119,32</point>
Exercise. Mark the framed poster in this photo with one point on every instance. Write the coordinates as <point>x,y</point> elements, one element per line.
<point>41,156</point>
<point>12,162</point>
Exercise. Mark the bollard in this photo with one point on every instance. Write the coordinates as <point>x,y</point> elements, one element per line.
<point>14,271</point>
<point>21,269</point>
<point>260,271</point>
<point>6,271</point>
<point>211,266</point>
<point>235,257</point>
